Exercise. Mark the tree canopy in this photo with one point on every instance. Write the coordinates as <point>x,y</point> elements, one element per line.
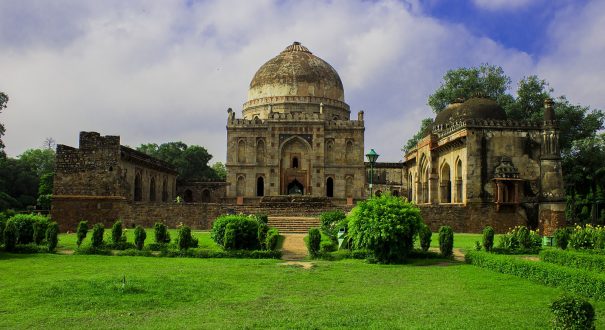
<point>191,162</point>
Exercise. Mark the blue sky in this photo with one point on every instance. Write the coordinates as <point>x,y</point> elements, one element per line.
<point>159,71</point>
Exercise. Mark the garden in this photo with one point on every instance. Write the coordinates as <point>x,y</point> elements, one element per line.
<point>379,267</point>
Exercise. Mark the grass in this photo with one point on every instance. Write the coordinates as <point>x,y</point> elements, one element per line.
<point>76,291</point>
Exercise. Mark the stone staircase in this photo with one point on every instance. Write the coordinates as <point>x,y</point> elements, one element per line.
<point>293,225</point>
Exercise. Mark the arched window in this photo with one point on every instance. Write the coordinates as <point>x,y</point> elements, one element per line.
<point>165,191</point>
<point>138,188</point>
<point>295,162</point>
<point>349,186</point>
<point>152,189</point>
<point>423,185</point>
<point>206,196</point>
<point>240,185</point>
<point>260,152</point>
<point>459,195</point>
<point>330,187</point>
<point>445,184</point>
<point>241,151</point>
<point>349,152</point>
<point>260,186</point>
<point>188,196</point>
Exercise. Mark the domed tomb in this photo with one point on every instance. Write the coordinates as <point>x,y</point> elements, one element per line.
<point>296,81</point>
<point>474,108</point>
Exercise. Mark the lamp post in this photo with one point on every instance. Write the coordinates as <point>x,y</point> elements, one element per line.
<point>372,157</point>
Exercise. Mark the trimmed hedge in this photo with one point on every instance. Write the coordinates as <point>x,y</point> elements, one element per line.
<point>572,313</point>
<point>446,241</point>
<point>573,280</point>
<point>314,242</point>
<point>573,259</point>
<point>272,239</point>
<point>236,232</point>
<point>189,253</point>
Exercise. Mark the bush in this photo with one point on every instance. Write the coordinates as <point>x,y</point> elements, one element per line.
<point>24,224</point>
<point>262,218</point>
<point>262,234</point>
<point>161,234</point>
<point>561,236</point>
<point>97,236</point>
<point>3,220</point>
<point>520,238</point>
<point>313,242</point>
<point>425,235</point>
<point>327,244</point>
<point>578,281</point>
<point>52,236</point>
<point>185,240</point>
<point>330,223</point>
<point>116,233</point>
<point>446,241</point>
<point>242,235</point>
<point>579,260</point>
<point>40,227</point>
<point>385,225</point>
<point>488,238</point>
<point>583,238</point>
<point>271,240</point>
<point>139,237</point>
<point>10,235</point>
<point>81,232</point>
<point>572,313</point>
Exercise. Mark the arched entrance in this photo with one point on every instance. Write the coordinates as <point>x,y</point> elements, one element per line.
<point>260,186</point>
<point>205,196</point>
<point>330,187</point>
<point>188,196</point>
<point>295,188</point>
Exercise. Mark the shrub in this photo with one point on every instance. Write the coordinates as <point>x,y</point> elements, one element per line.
<point>580,260</point>
<point>425,235</point>
<point>582,237</point>
<point>24,224</point>
<point>520,239</point>
<point>327,245</point>
<point>271,240</point>
<point>162,236</point>
<point>81,232</point>
<point>40,227</point>
<point>330,223</point>
<point>262,234</point>
<point>185,240</point>
<point>10,235</point>
<point>3,220</point>
<point>116,233</point>
<point>488,238</point>
<point>561,236</point>
<point>385,225</point>
<point>572,313</point>
<point>262,218</point>
<point>446,241</point>
<point>97,236</point>
<point>578,281</point>
<point>243,233</point>
<point>313,242</point>
<point>139,237</point>
<point>52,236</point>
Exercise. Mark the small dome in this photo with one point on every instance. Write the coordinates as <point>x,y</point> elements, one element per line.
<point>474,108</point>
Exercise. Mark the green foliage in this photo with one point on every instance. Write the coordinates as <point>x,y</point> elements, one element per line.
<point>220,170</point>
<point>520,239</point>
<point>18,184</point>
<point>3,220</point>
<point>242,235</point>
<point>10,235</point>
<point>572,313</point>
<point>117,233</point>
<point>327,244</point>
<point>97,236</point>
<point>573,259</point>
<point>185,240</point>
<point>488,238</point>
<point>262,234</point>
<point>42,161</point>
<point>52,236</point>
<point>201,253</point>
<point>25,227</point>
<point>262,218</point>
<point>584,238</point>
<point>139,237</point>
<point>446,241</point>
<point>561,237</point>
<point>425,235</point>
<point>81,232</point>
<point>425,126</point>
<point>578,281</point>
<point>40,227</point>
<point>385,225</point>
<point>191,162</point>
<point>45,190</point>
<point>161,234</point>
<point>313,242</point>
<point>330,223</point>
<point>272,239</point>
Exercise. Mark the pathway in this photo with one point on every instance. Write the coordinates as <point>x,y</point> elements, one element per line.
<point>294,247</point>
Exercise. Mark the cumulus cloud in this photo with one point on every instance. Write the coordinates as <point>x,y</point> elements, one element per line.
<point>167,71</point>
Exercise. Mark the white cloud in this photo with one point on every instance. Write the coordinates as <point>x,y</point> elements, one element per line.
<point>503,4</point>
<point>164,71</point>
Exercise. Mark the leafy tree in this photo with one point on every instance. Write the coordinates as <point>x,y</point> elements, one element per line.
<point>220,170</point>
<point>425,126</point>
<point>191,161</point>
<point>41,161</point>
<point>3,101</point>
<point>18,184</point>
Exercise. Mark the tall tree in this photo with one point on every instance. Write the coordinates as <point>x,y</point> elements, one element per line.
<point>191,161</point>
<point>41,161</point>
<point>220,170</point>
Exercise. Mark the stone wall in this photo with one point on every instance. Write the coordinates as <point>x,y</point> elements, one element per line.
<point>472,218</point>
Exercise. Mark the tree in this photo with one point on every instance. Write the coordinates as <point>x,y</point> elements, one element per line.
<point>3,101</point>
<point>220,170</point>
<point>425,126</point>
<point>41,161</point>
<point>191,162</point>
<point>18,184</point>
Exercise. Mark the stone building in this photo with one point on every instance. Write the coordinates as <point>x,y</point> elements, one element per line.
<point>386,178</point>
<point>295,136</point>
<point>476,168</point>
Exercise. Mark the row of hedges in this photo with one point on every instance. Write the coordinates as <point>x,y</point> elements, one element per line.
<point>241,232</point>
<point>573,280</point>
<point>579,260</point>
<point>189,253</point>
<point>28,229</point>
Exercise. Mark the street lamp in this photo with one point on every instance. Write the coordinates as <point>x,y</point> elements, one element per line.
<point>372,157</point>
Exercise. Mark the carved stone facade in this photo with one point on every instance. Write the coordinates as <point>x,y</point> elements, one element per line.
<point>295,137</point>
<point>487,170</point>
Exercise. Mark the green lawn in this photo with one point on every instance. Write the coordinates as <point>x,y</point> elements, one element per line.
<point>79,291</point>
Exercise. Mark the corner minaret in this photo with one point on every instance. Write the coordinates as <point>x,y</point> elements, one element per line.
<point>552,192</point>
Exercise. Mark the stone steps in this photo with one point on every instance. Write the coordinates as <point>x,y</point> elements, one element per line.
<point>293,225</point>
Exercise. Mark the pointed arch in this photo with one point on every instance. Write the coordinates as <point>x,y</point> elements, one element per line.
<point>260,186</point>
<point>329,187</point>
<point>152,189</point>
<point>165,190</point>
<point>459,182</point>
<point>138,187</point>
<point>206,196</point>
<point>445,183</point>
<point>240,185</point>
<point>188,196</point>
<point>349,152</point>
<point>260,152</point>
<point>241,151</point>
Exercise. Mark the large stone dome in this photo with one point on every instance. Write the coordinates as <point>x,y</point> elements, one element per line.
<point>296,81</point>
<point>473,108</point>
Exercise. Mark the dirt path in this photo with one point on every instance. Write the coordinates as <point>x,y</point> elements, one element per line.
<point>294,247</point>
